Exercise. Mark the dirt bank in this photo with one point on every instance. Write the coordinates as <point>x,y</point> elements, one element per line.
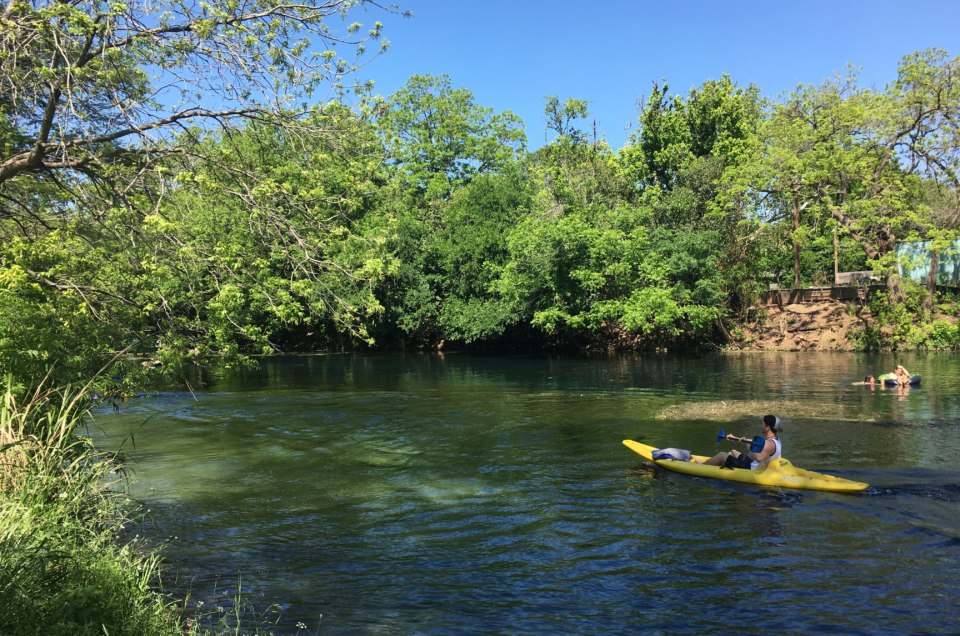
<point>815,326</point>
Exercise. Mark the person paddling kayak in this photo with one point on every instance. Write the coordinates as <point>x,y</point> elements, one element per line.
<point>772,449</point>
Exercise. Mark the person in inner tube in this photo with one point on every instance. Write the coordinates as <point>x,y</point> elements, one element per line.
<point>903,376</point>
<point>772,449</point>
<point>868,381</point>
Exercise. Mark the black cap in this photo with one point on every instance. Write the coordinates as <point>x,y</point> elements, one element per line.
<point>772,421</point>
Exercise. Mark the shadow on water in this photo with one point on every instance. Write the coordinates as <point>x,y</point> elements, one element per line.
<point>457,494</point>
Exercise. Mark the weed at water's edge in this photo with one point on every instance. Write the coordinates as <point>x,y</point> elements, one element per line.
<point>62,569</point>
<point>66,564</point>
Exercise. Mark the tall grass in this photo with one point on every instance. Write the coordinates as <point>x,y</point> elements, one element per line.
<point>63,569</point>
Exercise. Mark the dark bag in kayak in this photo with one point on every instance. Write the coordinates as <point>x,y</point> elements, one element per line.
<point>740,461</point>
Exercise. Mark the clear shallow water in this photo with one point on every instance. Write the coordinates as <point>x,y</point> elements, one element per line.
<point>458,494</point>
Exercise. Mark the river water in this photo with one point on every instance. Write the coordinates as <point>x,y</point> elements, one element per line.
<point>457,494</point>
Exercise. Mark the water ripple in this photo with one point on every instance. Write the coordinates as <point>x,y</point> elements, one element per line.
<point>457,495</point>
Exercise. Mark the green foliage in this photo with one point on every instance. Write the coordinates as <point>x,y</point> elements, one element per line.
<point>594,272</point>
<point>456,189</point>
<point>46,324</point>
<point>867,338</point>
<point>62,570</point>
<point>420,219</point>
<point>471,250</point>
<point>716,120</point>
<point>944,335</point>
<point>97,110</point>
<point>860,159</point>
<point>443,286</point>
<point>284,248</point>
<point>652,309</point>
<point>905,325</point>
<point>438,138</point>
<point>594,261</point>
<point>561,118</point>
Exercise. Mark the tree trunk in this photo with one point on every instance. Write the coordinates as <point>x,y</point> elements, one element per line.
<point>848,225</point>
<point>932,281</point>
<point>894,285</point>
<point>836,258</point>
<point>895,289</point>
<point>796,244</point>
<point>872,252</point>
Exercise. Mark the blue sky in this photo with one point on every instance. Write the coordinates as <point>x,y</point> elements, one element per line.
<point>513,53</point>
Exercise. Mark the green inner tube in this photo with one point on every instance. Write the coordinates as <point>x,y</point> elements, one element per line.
<point>890,379</point>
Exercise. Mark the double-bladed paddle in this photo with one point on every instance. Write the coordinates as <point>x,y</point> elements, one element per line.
<point>756,444</point>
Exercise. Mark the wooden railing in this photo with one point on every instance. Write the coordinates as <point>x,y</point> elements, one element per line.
<point>818,294</point>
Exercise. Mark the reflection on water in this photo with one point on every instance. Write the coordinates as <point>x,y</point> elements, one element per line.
<point>439,494</point>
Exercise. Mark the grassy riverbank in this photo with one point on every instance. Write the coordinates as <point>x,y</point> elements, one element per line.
<point>63,569</point>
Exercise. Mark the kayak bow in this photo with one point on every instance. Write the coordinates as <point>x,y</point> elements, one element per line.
<point>780,472</point>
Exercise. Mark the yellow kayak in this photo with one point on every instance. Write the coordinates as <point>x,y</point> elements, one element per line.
<point>780,472</point>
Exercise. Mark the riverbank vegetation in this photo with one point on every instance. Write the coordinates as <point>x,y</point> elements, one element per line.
<point>198,183</point>
<point>72,559</point>
<point>420,219</point>
<point>63,569</point>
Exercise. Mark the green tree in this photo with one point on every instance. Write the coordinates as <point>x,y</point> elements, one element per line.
<point>604,275</point>
<point>272,241</point>
<point>92,83</point>
<point>561,118</point>
<point>471,250</point>
<point>589,266</point>
<point>683,159</point>
<point>99,101</point>
<point>576,168</point>
<point>560,251</point>
<point>716,120</point>
<point>859,158</point>
<point>439,138</point>
<point>439,142</point>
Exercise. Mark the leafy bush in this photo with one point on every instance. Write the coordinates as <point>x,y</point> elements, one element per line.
<point>867,338</point>
<point>62,569</point>
<point>944,335</point>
